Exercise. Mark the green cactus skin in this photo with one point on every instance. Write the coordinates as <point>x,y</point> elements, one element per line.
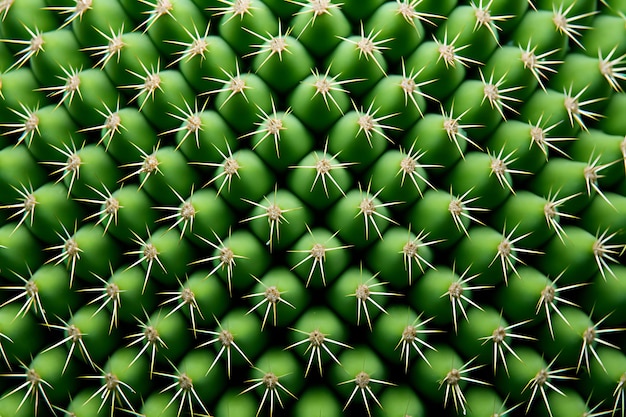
<point>429,195</point>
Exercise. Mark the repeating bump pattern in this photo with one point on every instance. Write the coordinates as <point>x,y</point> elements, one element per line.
<point>245,207</point>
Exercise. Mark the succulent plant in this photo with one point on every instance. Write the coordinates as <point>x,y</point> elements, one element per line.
<point>312,208</point>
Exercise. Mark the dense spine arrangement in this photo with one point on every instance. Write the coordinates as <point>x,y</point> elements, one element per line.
<point>274,207</point>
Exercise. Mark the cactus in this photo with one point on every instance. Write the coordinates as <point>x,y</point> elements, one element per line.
<point>305,208</point>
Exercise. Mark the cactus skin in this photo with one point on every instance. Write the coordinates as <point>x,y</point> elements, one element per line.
<point>280,207</point>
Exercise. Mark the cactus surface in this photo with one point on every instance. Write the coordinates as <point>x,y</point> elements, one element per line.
<point>312,208</point>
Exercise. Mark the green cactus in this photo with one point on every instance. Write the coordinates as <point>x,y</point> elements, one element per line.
<point>312,208</point>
